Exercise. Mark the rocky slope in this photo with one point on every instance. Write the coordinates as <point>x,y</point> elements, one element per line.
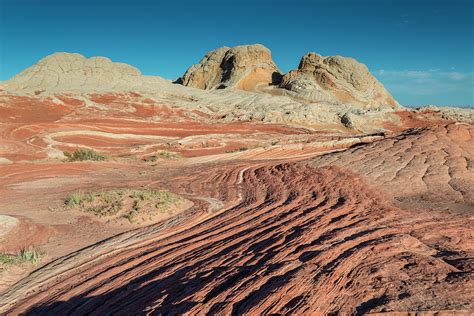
<point>337,79</point>
<point>242,67</point>
<point>452,113</point>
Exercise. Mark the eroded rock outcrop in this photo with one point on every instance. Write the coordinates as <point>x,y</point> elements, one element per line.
<point>242,67</point>
<point>336,79</point>
<point>332,80</point>
<point>74,72</point>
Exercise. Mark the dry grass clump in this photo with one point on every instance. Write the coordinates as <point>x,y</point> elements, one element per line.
<point>27,255</point>
<point>84,154</point>
<point>136,205</point>
<point>237,150</point>
<point>163,155</point>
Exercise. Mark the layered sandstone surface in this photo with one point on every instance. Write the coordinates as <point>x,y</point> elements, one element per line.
<point>286,237</point>
<point>428,166</point>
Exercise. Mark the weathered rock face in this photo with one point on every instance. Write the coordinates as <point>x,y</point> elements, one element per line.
<point>337,79</point>
<point>241,67</point>
<point>74,72</point>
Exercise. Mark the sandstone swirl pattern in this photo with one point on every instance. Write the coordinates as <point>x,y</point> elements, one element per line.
<point>291,237</point>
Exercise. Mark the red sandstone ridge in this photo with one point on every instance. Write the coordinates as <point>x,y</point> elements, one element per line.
<point>289,239</point>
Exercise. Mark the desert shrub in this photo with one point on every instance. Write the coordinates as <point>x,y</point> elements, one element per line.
<point>152,158</point>
<point>237,150</point>
<point>74,200</point>
<point>30,255</point>
<point>133,204</point>
<point>102,203</point>
<point>162,155</point>
<point>84,154</point>
<point>6,258</point>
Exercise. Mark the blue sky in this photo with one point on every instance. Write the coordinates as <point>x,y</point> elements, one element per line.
<point>421,50</point>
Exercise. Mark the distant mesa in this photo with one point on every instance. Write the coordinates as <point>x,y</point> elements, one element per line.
<point>74,72</point>
<point>242,67</point>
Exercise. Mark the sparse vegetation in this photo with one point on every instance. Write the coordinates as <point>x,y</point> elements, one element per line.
<point>6,258</point>
<point>163,155</point>
<point>133,204</point>
<point>73,200</point>
<point>237,150</point>
<point>28,255</point>
<point>84,154</point>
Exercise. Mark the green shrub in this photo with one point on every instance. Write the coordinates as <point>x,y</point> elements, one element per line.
<point>26,255</point>
<point>6,258</point>
<point>74,199</point>
<point>133,204</point>
<point>84,154</point>
<point>162,155</point>
<point>29,255</point>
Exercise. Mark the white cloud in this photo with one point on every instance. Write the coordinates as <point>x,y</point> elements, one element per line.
<point>416,86</point>
<point>457,75</point>
<point>405,73</point>
<point>431,76</point>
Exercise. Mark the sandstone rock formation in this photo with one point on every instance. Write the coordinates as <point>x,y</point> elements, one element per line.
<point>74,72</point>
<point>317,106</point>
<point>331,80</point>
<point>242,67</point>
<point>336,79</point>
